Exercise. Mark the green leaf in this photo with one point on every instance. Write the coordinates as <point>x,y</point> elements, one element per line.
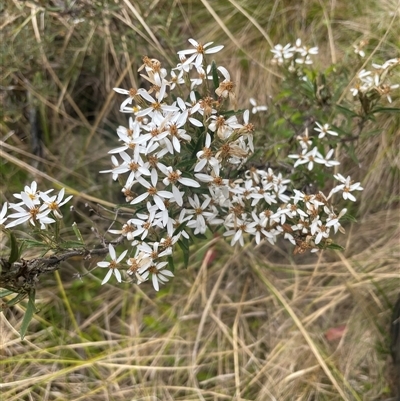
<point>340,131</point>
<point>14,253</point>
<point>30,310</point>
<point>197,147</point>
<point>386,110</point>
<point>16,299</point>
<point>180,228</point>
<point>349,217</point>
<point>230,113</point>
<point>347,111</point>
<point>201,236</point>
<point>171,264</point>
<point>279,121</point>
<point>297,117</point>
<point>184,245</point>
<point>71,244</point>
<point>336,247</point>
<point>4,292</point>
<point>30,243</point>
<point>185,164</point>
<point>78,233</point>
<point>308,87</point>
<point>214,73</point>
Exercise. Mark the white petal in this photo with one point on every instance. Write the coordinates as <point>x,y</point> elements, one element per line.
<point>154,177</point>
<point>246,116</point>
<point>145,95</point>
<point>193,42</point>
<point>19,221</point>
<point>177,144</point>
<point>140,198</point>
<point>159,202</point>
<point>225,73</point>
<point>122,91</point>
<point>107,277</point>
<point>165,194</point>
<point>237,235</point>
<point>200,165</point>
<point>103,264</point>
<point>117,275</point>
<point>112,252</point>
<point>167,273</point>
<point>214,49</point>
<point>189,182</point>
<point>195,122</point>
<point>177,195</point>
<point>155,282</point>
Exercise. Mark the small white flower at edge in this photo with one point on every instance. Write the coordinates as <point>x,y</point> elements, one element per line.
<point>256,108</point>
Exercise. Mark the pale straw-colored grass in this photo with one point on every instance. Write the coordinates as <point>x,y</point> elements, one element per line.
<point>250,325</point>
<point>239,324</point>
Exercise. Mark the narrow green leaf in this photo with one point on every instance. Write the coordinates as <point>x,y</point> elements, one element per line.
<point>214,73</point>
<point>336,247</point>
<point>230,113</point>
<point>185,165</point>
<point>198,146</point>
<point>14,253</point>
<point>347,111</point>
<point>30,310</point>
<point>71,244</point>
<point>171,264</point>
<point>4,292</point>
<point>349,217</point>
<point>386,110</point>
<point>183,243</point>
<point>29,243</point>
<point>201,236</point>
<point>78,233</point>
<point>16,299</point>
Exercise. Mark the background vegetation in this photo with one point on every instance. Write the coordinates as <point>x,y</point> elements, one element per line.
<point>244,324</point>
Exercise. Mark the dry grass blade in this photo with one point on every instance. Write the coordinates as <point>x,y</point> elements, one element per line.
<point>253,21</point>
<point>137,15</point>
<point>234,40</point>
<point>305,334</point>
<point>51,71</point>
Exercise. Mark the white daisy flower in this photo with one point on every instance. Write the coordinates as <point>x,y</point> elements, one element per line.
<point>112,265</point>
<point>196,55</point>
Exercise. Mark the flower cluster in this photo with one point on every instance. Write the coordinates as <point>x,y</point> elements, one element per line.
<point>184,163</point>
<point>180,160</point>
<point>370,85</point>
<point>291,56</point>
<point>35,207</point>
